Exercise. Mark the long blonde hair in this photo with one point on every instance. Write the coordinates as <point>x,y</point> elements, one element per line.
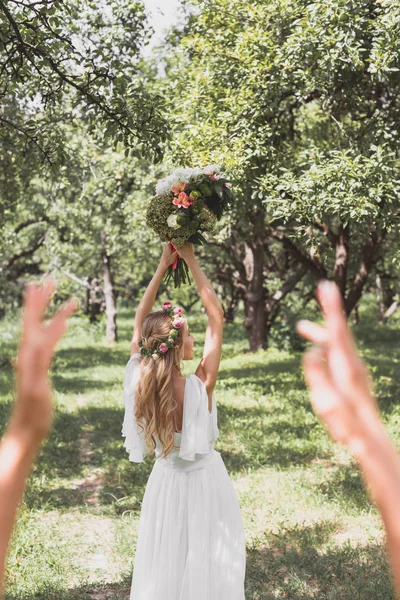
<point>155,404</point>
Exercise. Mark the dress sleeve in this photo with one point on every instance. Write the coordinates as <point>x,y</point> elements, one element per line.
<point>134,437</point>
<point>197,427</point>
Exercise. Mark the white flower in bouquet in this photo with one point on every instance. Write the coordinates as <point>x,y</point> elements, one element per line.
<point>185,174</point>
<point>164,185</point>
<point>182,174</point>
<point>172,221</point>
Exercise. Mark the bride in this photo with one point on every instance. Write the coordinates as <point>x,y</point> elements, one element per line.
<point>191,542</point>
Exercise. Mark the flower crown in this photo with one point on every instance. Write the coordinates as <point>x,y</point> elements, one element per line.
<point>162,348</point>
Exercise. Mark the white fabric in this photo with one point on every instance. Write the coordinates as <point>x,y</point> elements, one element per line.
<point>199,426</point>
<point>191,543</point>
<point>134,436</point>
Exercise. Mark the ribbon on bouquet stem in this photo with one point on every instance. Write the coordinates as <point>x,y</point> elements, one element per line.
<point>174,266</point>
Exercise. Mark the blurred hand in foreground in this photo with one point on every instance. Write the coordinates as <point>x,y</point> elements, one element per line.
<point>31,418</point>
<point>341,395</point>
<point>339,382</point>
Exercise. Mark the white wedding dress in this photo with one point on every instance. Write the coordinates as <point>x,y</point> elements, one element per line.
<point>191,543</point>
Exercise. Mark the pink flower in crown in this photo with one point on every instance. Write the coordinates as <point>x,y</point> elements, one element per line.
<point>167,305</point>
<point>163,348</point>
<point>182,201</point>
<point>178,311</point>
<point>177,323</point>
<point>178,188</point>
<point>214,178</point>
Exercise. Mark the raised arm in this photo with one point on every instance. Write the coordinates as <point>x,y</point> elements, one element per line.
<point>341,395</point>
<point>31,418</point>
<point>209,364</point>
<point>147,302</point>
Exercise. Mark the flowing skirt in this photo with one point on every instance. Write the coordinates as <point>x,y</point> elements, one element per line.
<point>191,543</point>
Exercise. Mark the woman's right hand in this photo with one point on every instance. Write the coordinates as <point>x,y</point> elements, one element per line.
<point>33,408</point>
<point>186,251</point>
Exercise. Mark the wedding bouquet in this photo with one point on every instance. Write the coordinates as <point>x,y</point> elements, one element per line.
<point>187,204</point>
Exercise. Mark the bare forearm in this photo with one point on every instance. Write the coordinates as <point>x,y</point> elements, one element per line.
<point>380,464</point>
<point>147,302</point>
<point>207,293</point>
<point>17,452</point>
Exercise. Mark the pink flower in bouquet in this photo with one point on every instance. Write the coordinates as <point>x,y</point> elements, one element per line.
<point>178,311</point>
<point>208,171</point>
<point>178,188</point>
<point>211,173</point>
<point>167,305</point>
<point>228,185</point>
<point>163,348</point>
<point>182,201</point>
<point>177,323</point>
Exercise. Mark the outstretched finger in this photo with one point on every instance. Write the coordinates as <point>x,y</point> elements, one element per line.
<point>57,326</point>
<point>327,402</point>
<point>323,394</point>
<point>37,299</point>
<point>336,323</point>
<point>312,331</point>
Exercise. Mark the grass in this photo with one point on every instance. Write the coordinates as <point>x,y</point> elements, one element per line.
<point>311,531</point>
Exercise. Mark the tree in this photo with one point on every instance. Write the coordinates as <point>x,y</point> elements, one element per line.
<point>72,81</point>
<point>299,101</point>
<point>75,61</point>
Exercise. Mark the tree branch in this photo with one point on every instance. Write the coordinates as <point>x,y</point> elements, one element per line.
<point>316,268</point>
<point>27,252</point>
<point>28,222</point>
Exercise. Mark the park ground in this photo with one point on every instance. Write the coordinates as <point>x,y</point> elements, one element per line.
<point>311,530</point>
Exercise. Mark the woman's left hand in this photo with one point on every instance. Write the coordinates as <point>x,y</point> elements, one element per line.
<point>168,257</point>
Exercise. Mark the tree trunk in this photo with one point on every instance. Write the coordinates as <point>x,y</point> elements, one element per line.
<point>391,310</point>
<point>111,309</point>
<point>230,303</point>
<point>254,297</point>
<point>342,259</point>
<point>229,315</point>
<point>368,260</point>
<point>274,302</point>
<point>379,299</point>
<point>94,299</point>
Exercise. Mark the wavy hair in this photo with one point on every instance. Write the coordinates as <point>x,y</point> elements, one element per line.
<point>155,404</point>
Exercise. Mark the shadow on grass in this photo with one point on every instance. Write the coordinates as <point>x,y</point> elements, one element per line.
<point>301,564</point>
<point>346,486</point>
<point>92,356</point>
<point>115,591</point>
<point>298,564</point>
<point>264,437</point>
<point>122,482</point>
<point>79,385</point>
<point>282,375</point>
